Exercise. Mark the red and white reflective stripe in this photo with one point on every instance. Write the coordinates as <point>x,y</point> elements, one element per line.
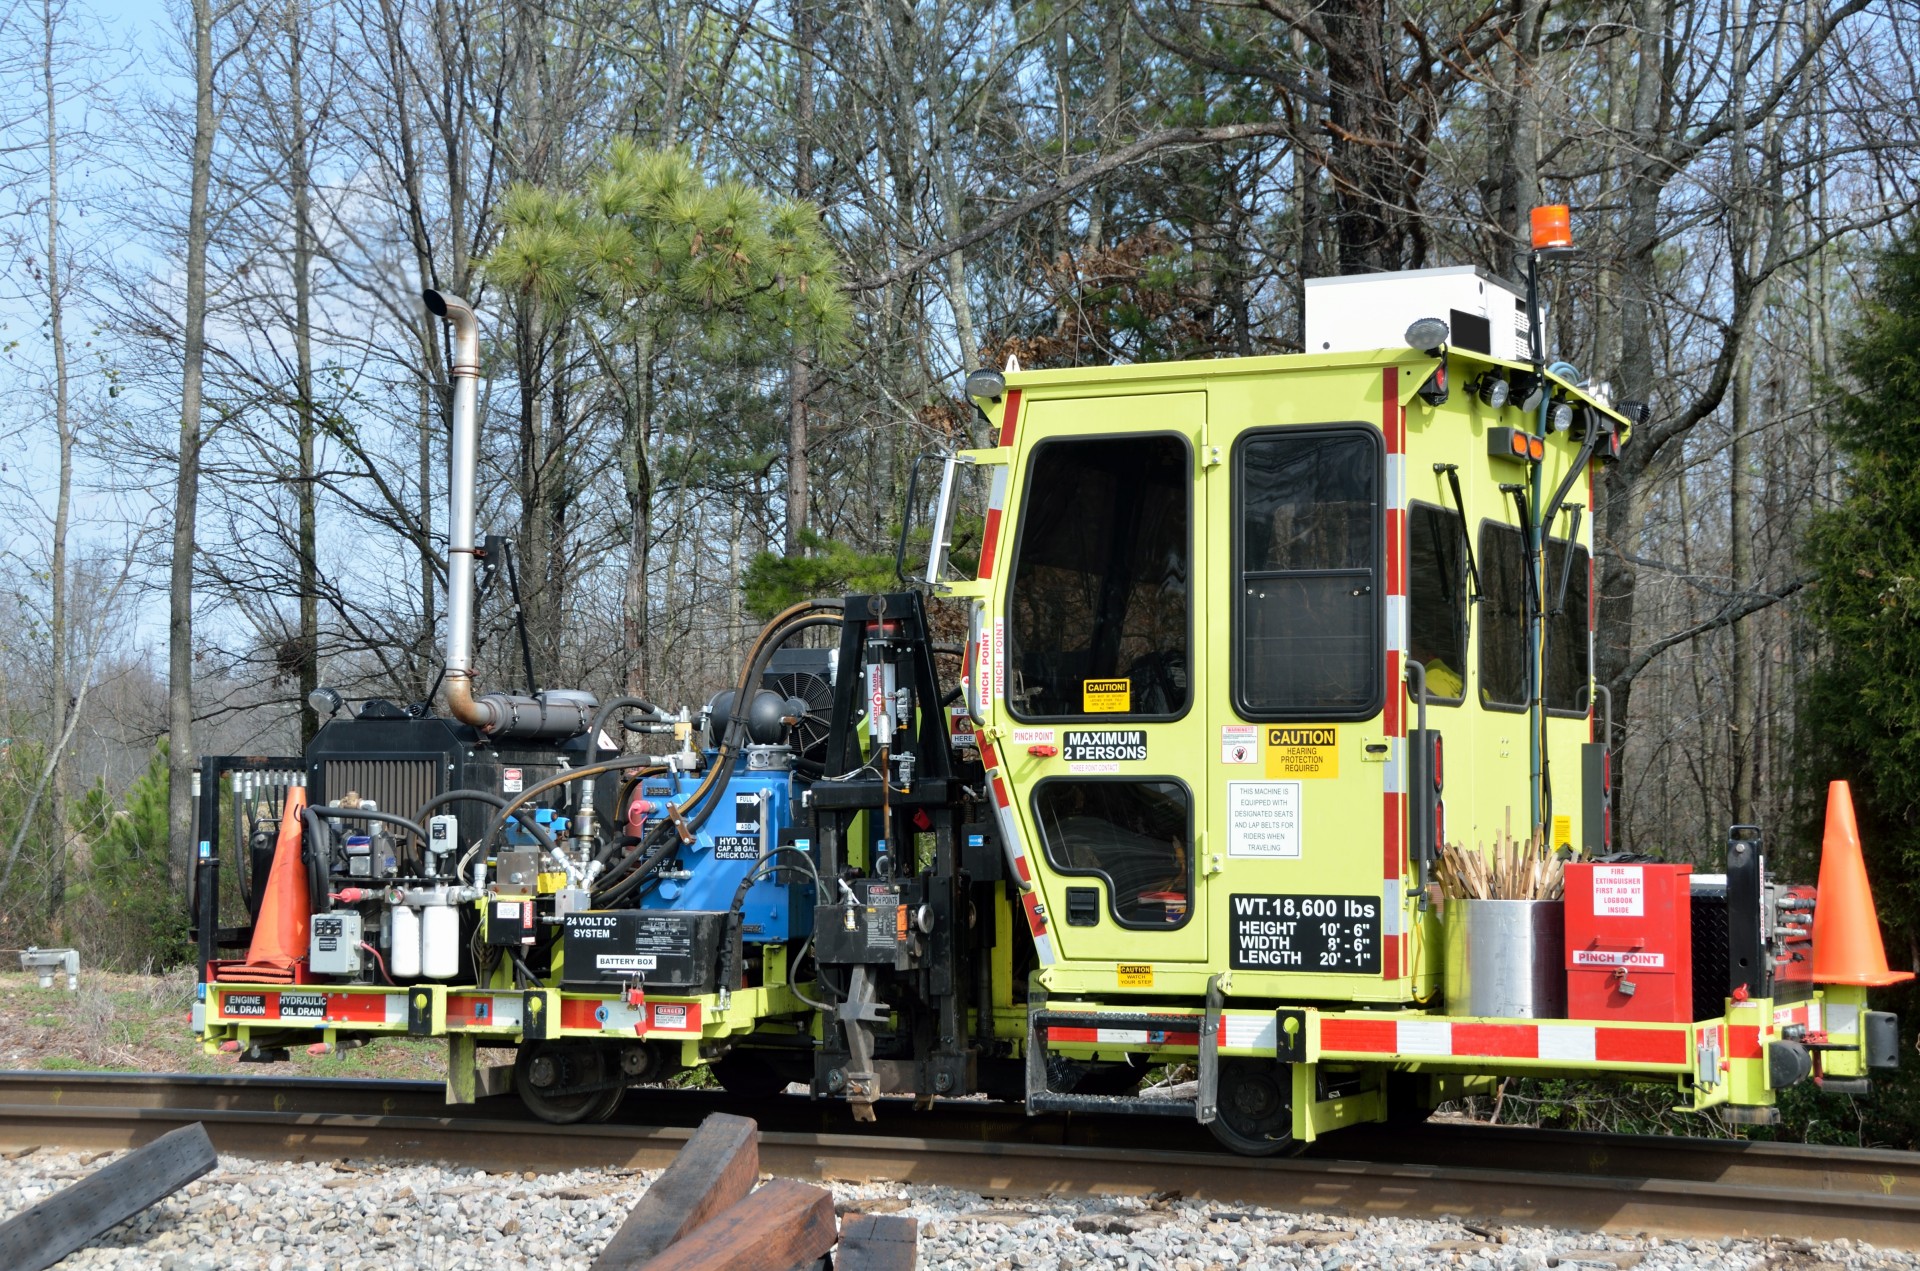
<point>1393,813</point>
<point>1008,819</point>
<point>1057,1036</point>
<point>997,497</point>
<point>1566,1043</point>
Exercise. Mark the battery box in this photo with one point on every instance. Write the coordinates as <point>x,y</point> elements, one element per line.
<point>664,950</point>
<point>333,943</point>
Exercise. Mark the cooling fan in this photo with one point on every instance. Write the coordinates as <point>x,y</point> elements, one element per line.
<point>806,674</point>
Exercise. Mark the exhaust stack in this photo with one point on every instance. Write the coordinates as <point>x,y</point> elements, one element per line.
<point>547,716</point>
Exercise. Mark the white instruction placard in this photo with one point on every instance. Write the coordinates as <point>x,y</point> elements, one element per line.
<point>1263,819</point>
<point>1619,891</point>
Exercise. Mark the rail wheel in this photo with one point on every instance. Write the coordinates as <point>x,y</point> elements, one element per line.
<point>1255,1114</point>
<point>565,1082</point>
<point>749,1076</point>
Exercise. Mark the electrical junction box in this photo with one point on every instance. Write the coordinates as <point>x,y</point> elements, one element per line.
<point>1629,943</point>
<point>1372,311</point>
<point>511,921</point>
<point>333,943</point>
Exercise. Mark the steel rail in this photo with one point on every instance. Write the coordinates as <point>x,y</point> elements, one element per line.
<point>1659,1186</point>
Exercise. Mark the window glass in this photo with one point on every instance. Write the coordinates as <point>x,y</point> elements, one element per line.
<point>1567,646</point>
<point>1308,606</point>
<point>1503,616</point>
<point>1134,834</point>
<point>1100,594</point>
<point>1437,598</point>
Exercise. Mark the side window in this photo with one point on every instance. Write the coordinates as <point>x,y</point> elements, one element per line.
<point>1437,599</point>
<point>1134,834</point>
<point>1503,617</point>
<point>1568,647</point>
<point>1099,600</point>
<point>1307,608</point>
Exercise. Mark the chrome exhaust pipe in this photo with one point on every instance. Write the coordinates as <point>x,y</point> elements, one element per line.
<point>550,715</point>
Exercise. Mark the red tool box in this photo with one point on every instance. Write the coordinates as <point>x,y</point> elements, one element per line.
<point>1629,942</point>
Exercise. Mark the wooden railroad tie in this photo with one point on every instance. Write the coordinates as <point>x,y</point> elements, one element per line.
<point>704,1214</point>
<point>74,1216</point>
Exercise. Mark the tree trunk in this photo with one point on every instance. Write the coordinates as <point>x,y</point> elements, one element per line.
<point>59,637</point>
<point>180,753</point>
<point>799,367</point>
<point>638,474</point>
<point>1639,312</point>
<point>1363,158</point>
<point>307,486</point>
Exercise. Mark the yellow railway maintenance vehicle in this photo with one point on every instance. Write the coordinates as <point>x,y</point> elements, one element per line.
<point>1258,648</point>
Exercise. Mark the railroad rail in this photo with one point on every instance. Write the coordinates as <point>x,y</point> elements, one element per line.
<point>1614,1183</point>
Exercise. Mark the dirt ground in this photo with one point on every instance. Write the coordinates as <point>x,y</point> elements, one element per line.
<point>139,1023</point>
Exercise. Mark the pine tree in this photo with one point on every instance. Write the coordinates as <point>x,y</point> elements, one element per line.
<point>1864,720</point>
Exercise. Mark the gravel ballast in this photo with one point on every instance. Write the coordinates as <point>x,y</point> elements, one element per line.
<point>374,1216</point>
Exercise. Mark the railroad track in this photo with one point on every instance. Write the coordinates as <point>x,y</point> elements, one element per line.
<point>1660,1186</point>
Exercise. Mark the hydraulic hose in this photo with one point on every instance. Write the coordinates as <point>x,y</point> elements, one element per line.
<point>317,883</point>
<point>783,626</point>
<point>541,787</point>
<point>583,822</point>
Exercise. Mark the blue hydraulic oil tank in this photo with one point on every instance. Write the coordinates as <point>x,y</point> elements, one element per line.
<point>752,810</point>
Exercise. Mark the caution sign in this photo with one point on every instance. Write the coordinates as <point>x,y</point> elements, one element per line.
<point>1135,975</point>
<point>1563,831</point>
<point>1106,697</point>
<point>1293,752</point>
<point>1334,934</point>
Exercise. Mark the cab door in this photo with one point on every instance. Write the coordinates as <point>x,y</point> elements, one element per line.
<point>1100,693</point>
<point>1301,831</point>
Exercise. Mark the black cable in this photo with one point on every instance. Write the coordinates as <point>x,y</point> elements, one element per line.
<point>519,611</point>
<point>488,797</point>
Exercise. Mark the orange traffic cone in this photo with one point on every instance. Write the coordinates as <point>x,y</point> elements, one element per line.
<point>1846,931</point>
<point>280,932</point>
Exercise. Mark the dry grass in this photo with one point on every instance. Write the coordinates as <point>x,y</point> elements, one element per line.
<point>139,1023</point>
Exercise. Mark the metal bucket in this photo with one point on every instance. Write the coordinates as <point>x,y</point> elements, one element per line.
<point>1506,958</point>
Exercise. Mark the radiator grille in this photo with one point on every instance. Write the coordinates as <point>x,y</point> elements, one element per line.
<point>399,786</point>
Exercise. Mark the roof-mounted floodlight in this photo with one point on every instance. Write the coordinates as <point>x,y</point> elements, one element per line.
<point>1429,335</point>
<point>990,385</point>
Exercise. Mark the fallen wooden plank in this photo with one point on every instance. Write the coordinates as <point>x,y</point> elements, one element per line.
<point>68,1219</point>
<point>878,1242</point>
<point>714,1170</point>
<point>783,1224</point>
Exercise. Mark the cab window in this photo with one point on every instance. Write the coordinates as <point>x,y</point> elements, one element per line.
<point>1568,646</point>
<point>1133,834</point>
<point>1099,603</point>
<point>1503,634</point>
<point>1307,609</point>
<point>1503,617</point>
<point>1437,599</point>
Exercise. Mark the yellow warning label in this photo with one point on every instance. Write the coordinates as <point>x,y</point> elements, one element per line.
<point>1138,975</point>
<point>1563,831</point>
<point>1302,752</point>
<point>1106,697</point>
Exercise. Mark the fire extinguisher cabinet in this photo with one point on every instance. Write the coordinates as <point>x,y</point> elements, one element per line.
<point>1629,942</point>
